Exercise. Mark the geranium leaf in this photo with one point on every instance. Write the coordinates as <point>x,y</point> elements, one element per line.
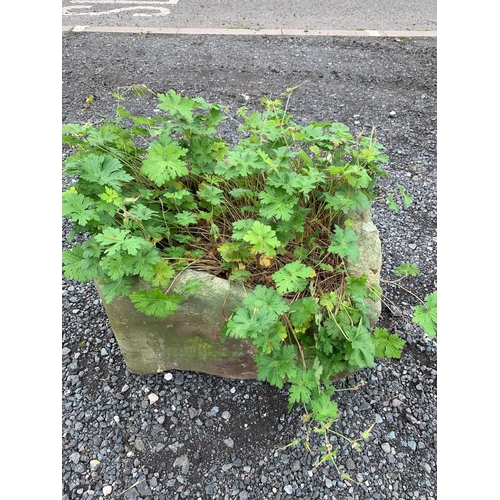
<point>103,170</point>
<point>426,316</point>
<point>262,238</point>
<point>293,277</point>
<point>387,345</point>
<point>163,163</point>
<point>155,302</point>
<point>266,298</point>
<point>344,243</point>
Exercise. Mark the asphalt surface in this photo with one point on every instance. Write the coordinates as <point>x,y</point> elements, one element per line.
<point>309,16</point>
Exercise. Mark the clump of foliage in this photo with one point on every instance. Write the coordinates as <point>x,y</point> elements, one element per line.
<point>156,195</point>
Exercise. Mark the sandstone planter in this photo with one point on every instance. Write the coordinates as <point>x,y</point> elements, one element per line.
<point>190,339</point>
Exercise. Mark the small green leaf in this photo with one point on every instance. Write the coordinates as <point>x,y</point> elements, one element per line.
<point>78,265</point>
<point>267,299</point>
<point>147,257</point>
<point>240,275</point>
<point>160,273</point>
<point>407,198</point>
<point>356,286</point>
<point>426,316</point>
<point>191,286</point>
<point>263,239</point>
<point>241,228</point>
<point>292,277</point>
<point>185,218</point>
<point>392,204</point>
<point>104,170</point>
<point>111,196</point>
<point>344,243</point>
<point>155,302</point>
<point>303,382</point>
<point>117,265</point>
<point>367,432</point>
<point>116,239</point>
<point>269,339</point>
<point>240,192</point>
<point>407,269</point>
<point>277,366</point>
<point>234,251</point>
<point>324,408</point>
<point>302,312</point>
<point>362,350</point>
<point>163,163</point>
<point>141,212</point>
<point>276,202</point>
<point>211,194</point>
<point>176,105</point>
<point>387,346</point>
<point>116,288</point>
<point>245,323</point>
<point>78,208</point>
<point>346,200</point>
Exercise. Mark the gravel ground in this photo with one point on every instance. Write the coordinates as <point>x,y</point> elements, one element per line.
<point>204,437</point>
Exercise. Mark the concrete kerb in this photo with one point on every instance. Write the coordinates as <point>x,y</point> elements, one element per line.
<point>246,32</point>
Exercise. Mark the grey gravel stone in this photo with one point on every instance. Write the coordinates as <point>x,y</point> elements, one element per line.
<point>183,462</point>
<point>345,77</point>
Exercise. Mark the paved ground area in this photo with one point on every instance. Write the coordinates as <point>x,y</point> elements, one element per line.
<point>281,16</point>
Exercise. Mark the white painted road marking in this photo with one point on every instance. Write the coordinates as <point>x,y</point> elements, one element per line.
<point>135,2</point>
<point>136,5</point>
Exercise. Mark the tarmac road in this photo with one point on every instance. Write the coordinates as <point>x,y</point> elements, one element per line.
<point>379,17</point>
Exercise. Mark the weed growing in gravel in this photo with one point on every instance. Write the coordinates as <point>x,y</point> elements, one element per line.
<point>154,196</point>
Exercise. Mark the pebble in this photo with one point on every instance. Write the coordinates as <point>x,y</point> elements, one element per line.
<point>426,467</point>
<point>183,462</point>
<point>226,415</point>
<point>107,490</point>
<point>210,489</point>
<point>153,398</point>
<point>94,464</point>
<point>386,447</point>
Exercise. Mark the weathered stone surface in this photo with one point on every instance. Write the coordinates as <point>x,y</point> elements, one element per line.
<point>369,261</point>
<point>191,338</point>
<point>188,340</point>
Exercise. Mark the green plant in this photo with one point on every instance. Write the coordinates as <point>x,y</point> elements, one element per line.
<point>153,196</point>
